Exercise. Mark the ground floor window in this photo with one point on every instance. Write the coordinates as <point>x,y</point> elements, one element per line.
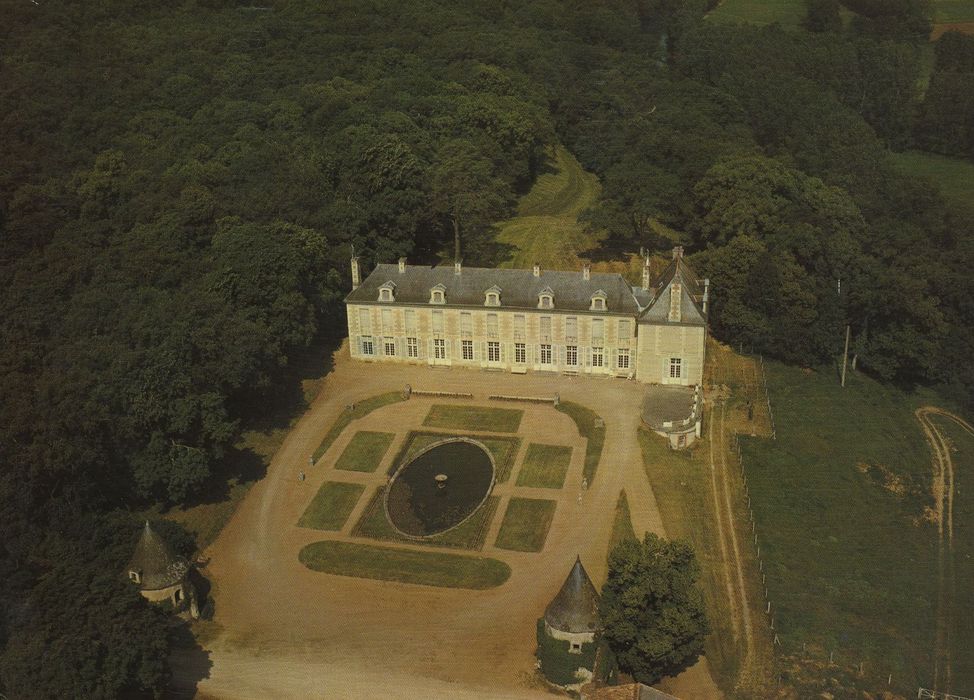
<point>389,347</point>
<point>439,349</point>
<point>571,355</point>
<point>412,347</point>
<point>546,354</point>
<point>368,348</point>
<point>622,360</point>
<point>597,357</point>
<point>520,353</point>
<point>493,351</point>
<point>466,349</point>
<point>676,368</point>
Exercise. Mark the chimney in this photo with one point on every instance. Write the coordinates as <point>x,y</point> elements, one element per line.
<point>402,265</point>
<point>586,271</point>
<point>457,265</point>
<point>646,280</point>
<point>356,275</point>
<point>537,270</point>
<point>706,293</point>
<point>677,252</point>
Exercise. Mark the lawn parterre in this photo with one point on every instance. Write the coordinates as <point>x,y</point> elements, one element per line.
<point>545,466</point>
<point>483,418</point>
<point>405,566</point>
<point>358,410</point>
<point>331,506</point>
<point>525,525</point>
<point>591,427</point>
<point>365,451</point>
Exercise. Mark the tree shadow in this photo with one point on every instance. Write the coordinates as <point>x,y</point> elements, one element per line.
<point>189,661</point>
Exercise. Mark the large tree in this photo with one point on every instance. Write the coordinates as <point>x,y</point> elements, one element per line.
<point>652,611</point>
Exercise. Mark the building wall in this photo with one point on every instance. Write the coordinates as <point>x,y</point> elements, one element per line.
<point>515,340</point>
<point>660,344</point>
<point>570,637</point>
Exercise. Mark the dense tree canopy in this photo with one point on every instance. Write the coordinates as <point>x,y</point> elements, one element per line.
<point>652,612</point>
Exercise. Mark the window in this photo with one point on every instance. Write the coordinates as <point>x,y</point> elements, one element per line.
<point>412,347</point>
<point>676,368</point>
<point>491,325</point>
<point>622,360</point>
<point>387,321</point>
<point>439,349</point>
<point>624,329</point>
<point>597,357</point>
<point>546,354</point>
<point>466,349</point>
<point>493,351</point>
<point>365,321</point>
<point>520,353</point>
<point>519,327</point>
<point>437,321</point>
<point>576,648</point>
<point>438,294</point>
<point>385,294</point>
<point>177,595</point>
<point>598,329</point>
<point>545,301</point>
<point>571,329</point>
<point>389,347</point>
<point>675,298</point>
<point>466,324</point>
<point>134,576</point>
<point>598,301</point>
<point>571,355</point>
<point>367,346</point>
<point>410,315</point>
<point>546,328</point>
<point>493,297</point>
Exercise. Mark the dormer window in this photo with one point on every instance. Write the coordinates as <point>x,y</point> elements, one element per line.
<point>492,296</point>
<point>438,294</point>
<point>598,301</point>
<point>546,298</point>
<point>134,577</point>
<point>387,292</point>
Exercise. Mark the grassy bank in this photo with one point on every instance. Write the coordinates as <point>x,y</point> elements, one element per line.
<point>590,427</point>
<point>354,412</point>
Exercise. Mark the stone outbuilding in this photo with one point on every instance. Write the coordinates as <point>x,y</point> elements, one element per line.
<point>160,573</point>
<point>573,614</point>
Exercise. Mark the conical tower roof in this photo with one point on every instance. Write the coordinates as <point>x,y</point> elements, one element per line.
<point>154,561</point>
<point>576,607</point>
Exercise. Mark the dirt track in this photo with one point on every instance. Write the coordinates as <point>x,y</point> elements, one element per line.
<point>284,631</point>
<point>943,494</point>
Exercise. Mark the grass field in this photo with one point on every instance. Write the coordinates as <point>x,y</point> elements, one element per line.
<point>526,523</point>
<point>497,420</point>
<point>362,408</point>
<point>787,13</point>
<point>952,11</point>
<point>405,566</point>
<point>953,176</point>
<point>546,228</point>
<point>365,451</point>
<point>591,428</point>
<point>331,506</point>
<point>468,535</point>
<point>841,501</point>
<point>681,483</point>
<point>545,466</point>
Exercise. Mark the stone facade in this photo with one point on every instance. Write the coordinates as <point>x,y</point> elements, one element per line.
<point>532,320</point>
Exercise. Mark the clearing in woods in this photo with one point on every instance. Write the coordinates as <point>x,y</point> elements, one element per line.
<point>546,228</point>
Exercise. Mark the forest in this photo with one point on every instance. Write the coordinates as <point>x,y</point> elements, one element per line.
<point>182,185</point>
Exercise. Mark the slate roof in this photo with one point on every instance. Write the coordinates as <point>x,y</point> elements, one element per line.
<point>691,311</point>
<point>576,607</point>
<point>154,561</point>
<point>518,288</point>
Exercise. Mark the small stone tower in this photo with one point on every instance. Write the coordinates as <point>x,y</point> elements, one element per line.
<point>573,615</point>
<point>160,573</point>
